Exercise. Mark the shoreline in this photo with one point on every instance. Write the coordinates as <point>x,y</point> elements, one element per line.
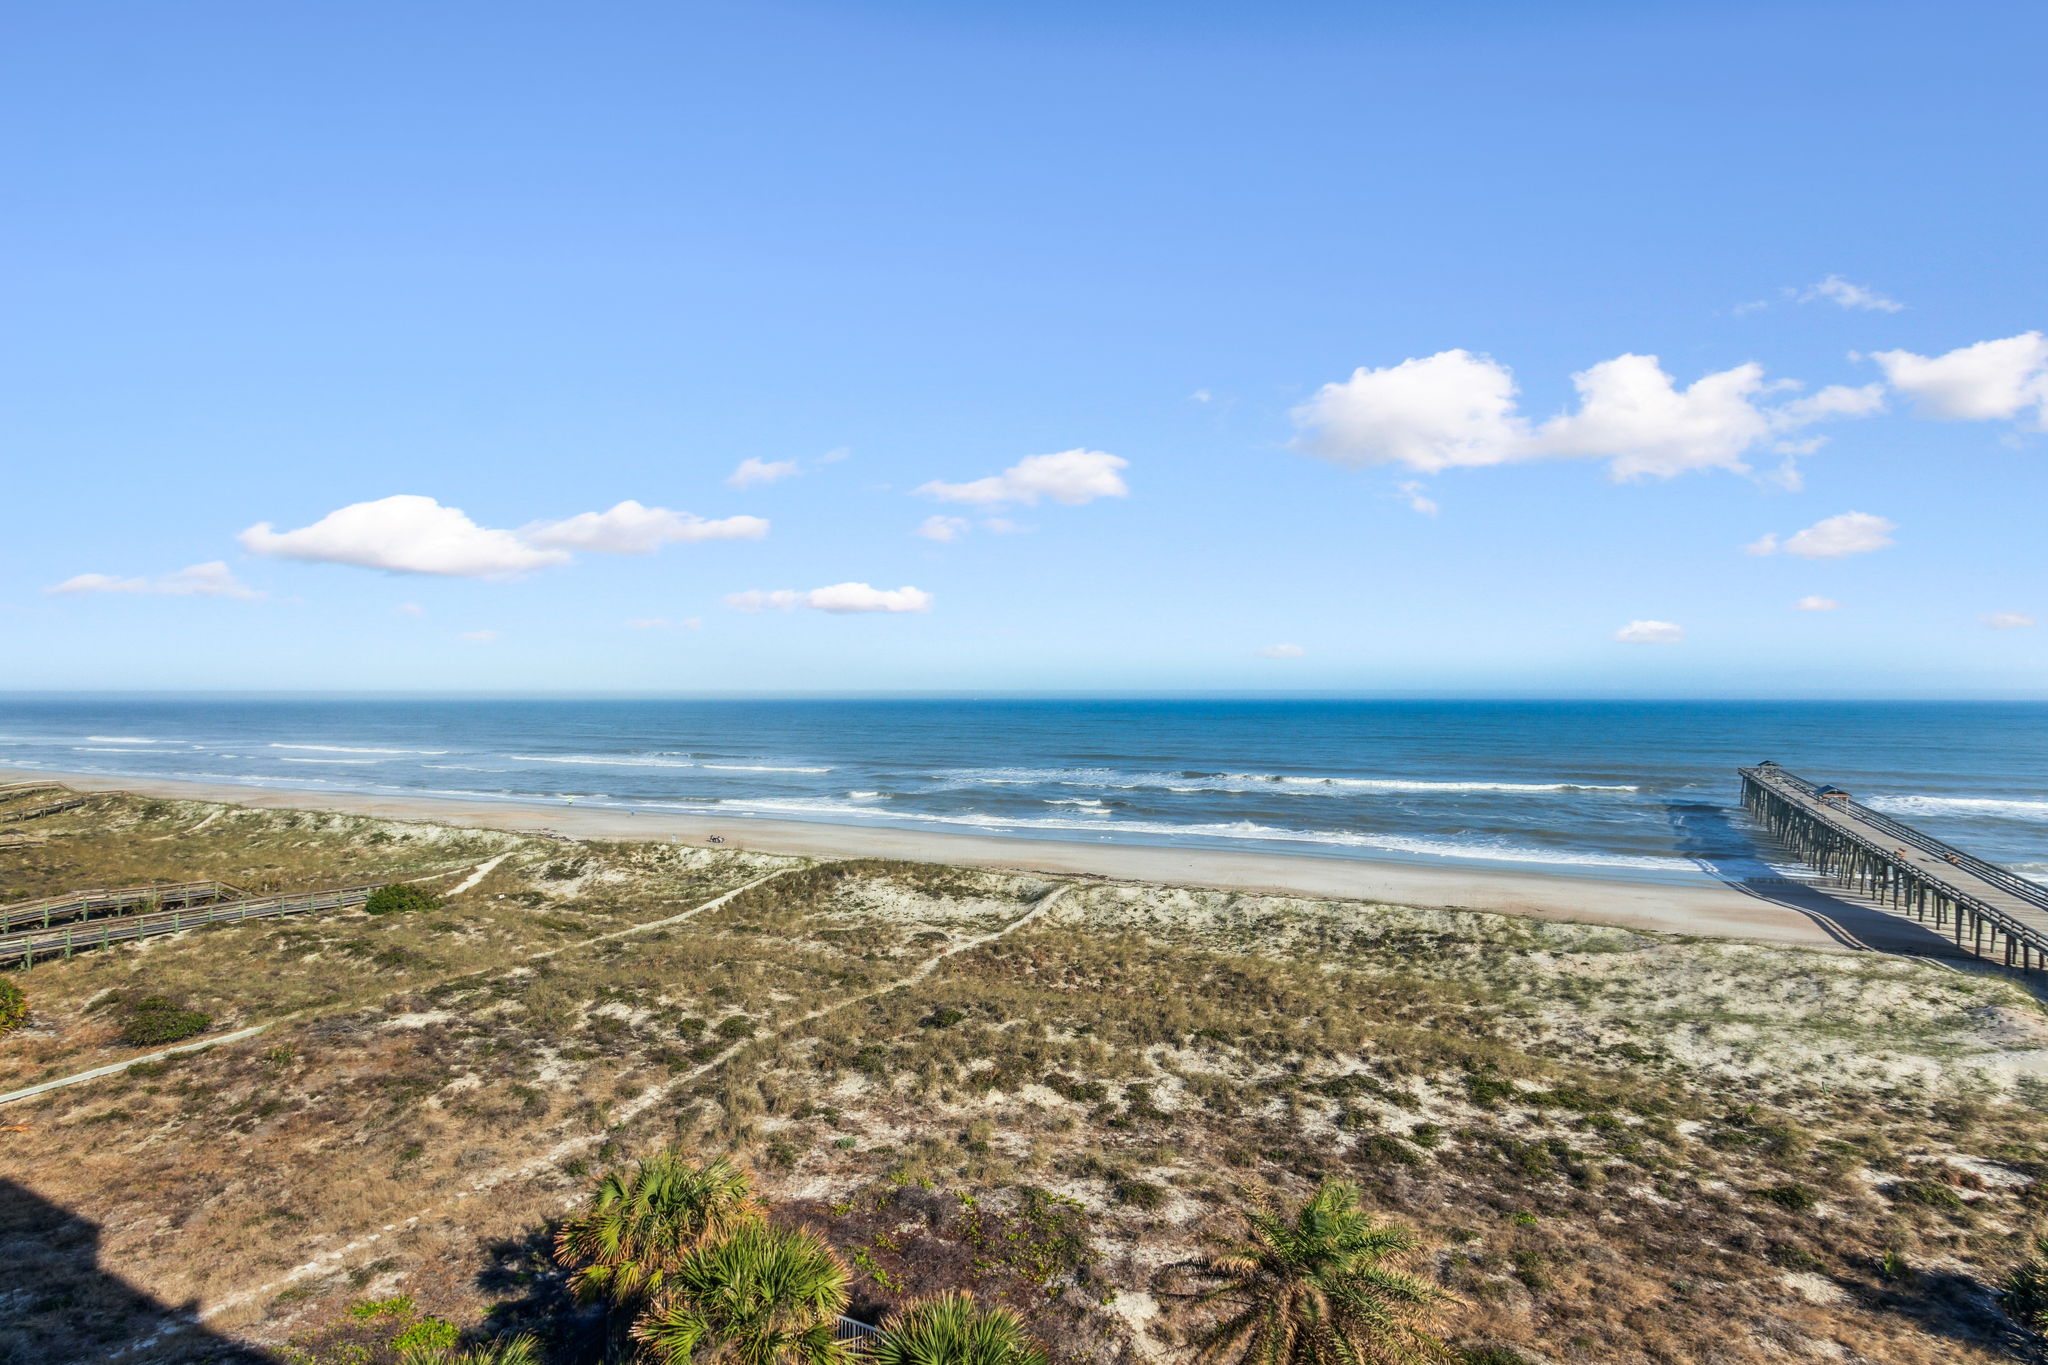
<point>1790,914</point>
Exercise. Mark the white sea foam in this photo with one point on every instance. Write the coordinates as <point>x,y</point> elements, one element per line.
<point>124,739</point>
<point>1265,783</point>
<point>864,796</point>
<point>602,760</point>
<point>345,762</point>
<point>354,749</point>
<point>1485,851</point>
<point>1960,805</point>
<point>761,768</point>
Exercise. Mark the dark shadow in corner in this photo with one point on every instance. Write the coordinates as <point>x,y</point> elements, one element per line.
<point>1729,852</point>
<point>57,1306</point>
<point>532,1290</point>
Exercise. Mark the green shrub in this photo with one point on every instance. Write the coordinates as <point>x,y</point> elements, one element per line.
<point>1492,1355</point>
<point>428,1334</point>
<point>1487,1092</point>
<point>1795,1198</point>
<point>160,1019</point>
<point>1926,1193</point>
<point>735,1026</point>
<point>400,898</point>
<point>13,1005</point>
<point>1140,1194</point>
<point>944,1017</point>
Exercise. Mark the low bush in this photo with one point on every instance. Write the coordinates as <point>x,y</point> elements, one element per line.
<point>13,1005</point>
<point>1793,1198</point>
<point>400,898</point>
<point>1926,1193</point>
<point>160,1019</point>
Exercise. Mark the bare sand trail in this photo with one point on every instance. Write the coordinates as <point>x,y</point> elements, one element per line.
<point>1771,914</point>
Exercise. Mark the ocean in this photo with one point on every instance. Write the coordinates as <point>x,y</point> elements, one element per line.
<point>1637,790</point>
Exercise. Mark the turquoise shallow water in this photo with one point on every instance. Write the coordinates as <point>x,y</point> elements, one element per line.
<point>1627,789</point>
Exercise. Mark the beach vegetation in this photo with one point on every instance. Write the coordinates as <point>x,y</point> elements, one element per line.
<point>13,1005</point>
<point>641,1225</point>
<point>399,898</point>
<point>1322,1284</point>
<point>2024,1291</point>
<point>160,1019</point>
<point>759,1295</point>
<point>1591,1124</point>
<point>954,1329</point>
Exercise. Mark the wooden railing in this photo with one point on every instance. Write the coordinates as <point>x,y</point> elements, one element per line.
<point>46,808</point>
<point>87,904</point>
<point>28,948</point>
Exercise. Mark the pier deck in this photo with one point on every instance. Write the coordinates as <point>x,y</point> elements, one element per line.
<point>1987,909</point>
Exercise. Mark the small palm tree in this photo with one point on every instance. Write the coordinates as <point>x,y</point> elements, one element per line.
<point>641,1224</point>
<point>759,1296</point>
<point>1319,1288</point>
<point>953,1329</point>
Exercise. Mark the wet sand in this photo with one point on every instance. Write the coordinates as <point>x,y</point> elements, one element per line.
<point>1778,914</point>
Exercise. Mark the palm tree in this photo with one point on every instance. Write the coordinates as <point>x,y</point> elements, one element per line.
<point>953,1329</point>
<point>640,1225</point>
<point>1319,1288</point>
<point>759,1296</point>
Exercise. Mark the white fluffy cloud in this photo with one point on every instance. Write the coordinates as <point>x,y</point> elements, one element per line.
<point>840,598</point>
<point>1650,633</point>
<point>1835,289</point>
<point>2008,620</point>
<point>942,528</point>
<point>1849,533</point>
<point>211,579</point>
<point>1280,652</point>
<point>1816,604</point>
<point>405,533</point>
<point>1443,411</point>
<point>752,471</point>
<point>1984,382</point>
<point>1072,477</point>
<point>409,533</point>
<point>1456,409</point>
<point>631,529</point>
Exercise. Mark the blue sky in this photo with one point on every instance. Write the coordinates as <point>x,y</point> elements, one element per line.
<point>336,337</point>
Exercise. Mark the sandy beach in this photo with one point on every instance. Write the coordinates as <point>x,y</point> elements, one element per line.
<point>1774,913</point>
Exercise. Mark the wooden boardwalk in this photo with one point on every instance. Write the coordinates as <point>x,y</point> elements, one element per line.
<point>91,904</point>
<point>14,813</point>
<point>1987,909</point>
<point>63,940</point>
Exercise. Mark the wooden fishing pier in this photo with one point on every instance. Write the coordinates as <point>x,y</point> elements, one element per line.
<point>1988,910</point>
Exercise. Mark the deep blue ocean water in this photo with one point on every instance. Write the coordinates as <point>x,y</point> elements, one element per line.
<point>1630,789</point>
